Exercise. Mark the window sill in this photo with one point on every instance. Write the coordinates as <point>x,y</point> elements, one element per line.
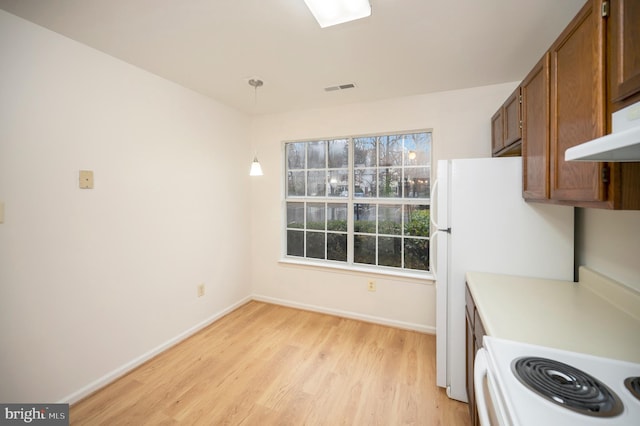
<point>417,275</point>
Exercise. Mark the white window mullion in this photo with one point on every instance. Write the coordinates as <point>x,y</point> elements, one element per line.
<point>350,204</point>
<point>402,205</point>
<point>304,230</point>
<point>326,233</point>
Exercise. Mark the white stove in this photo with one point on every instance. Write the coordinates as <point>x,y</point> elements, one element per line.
<point>565,388</point>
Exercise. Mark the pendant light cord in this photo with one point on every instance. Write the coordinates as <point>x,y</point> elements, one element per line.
<point>255,83</point>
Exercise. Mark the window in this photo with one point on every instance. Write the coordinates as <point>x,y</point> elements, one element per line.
<point>360,201</point>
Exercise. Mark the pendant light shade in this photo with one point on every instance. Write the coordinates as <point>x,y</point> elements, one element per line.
<point>256,169</point>
<point>333,12</point>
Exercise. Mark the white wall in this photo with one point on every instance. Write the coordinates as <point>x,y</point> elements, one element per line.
<point>93,281</point>
<point>461,128</point>
<point>609,242</point>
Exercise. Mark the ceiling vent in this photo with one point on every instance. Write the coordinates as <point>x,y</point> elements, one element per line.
<point>340,87</point>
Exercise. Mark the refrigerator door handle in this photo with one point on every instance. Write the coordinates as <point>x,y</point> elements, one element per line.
<point>434,223</point>
<point>432,265</point>
<point>432,237</point>
<point>432,243</point>
<point>434,197</point>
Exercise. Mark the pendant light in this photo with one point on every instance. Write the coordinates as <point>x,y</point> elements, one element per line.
<point>256,169</point>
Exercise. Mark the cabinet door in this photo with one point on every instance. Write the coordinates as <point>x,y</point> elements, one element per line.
<point>624,46</point>
<point>478,334</point>
<point>497,132</point>
<point>511,119</point>
<point>471,352</point>
<point>577,107</point>
<point>535,132</point>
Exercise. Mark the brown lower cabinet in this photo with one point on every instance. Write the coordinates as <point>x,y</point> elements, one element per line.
<point>474,334</point>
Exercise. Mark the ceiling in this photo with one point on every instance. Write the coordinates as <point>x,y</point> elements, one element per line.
<point>406,47</point>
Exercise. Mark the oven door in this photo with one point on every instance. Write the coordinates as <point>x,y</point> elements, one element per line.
<point>491,408</point>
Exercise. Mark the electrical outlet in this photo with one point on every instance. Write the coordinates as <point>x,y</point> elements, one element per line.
<point>200,289</point>
<point>371,285</point>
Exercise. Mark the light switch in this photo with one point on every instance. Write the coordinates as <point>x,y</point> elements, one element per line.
<point>1,212</point>
<point>86,179</point>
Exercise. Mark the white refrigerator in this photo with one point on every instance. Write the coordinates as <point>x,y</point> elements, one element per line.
<point>482,223</point>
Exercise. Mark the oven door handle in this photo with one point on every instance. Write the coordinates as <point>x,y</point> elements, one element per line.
<point>479,375</point>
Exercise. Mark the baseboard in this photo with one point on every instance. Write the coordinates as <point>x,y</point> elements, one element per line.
<point>121,371</point>
<point>347,314</point>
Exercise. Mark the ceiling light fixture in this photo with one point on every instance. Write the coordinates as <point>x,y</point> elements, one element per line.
<point>256,168</point>
<point>333,12</point>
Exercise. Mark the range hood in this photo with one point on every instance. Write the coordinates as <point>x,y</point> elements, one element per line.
<point>623,144</point>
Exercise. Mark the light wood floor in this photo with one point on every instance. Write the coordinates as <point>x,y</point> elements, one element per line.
<point>271,365</point>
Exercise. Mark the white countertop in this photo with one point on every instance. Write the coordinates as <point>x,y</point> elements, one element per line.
<point>595,316</point>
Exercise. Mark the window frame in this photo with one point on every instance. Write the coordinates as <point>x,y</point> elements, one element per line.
<point>351,200</point>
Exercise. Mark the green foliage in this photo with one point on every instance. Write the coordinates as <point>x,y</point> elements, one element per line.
<point>386,189</point>
<point>389,251</point>
<point>337,247</point>
<point>337,225</point>
<point>418,225</point>
<point>389,227</point>
<point>364,249</point>
<point>416,254</point>
<point>365,226</point>
<point>416,250</point>
<point>332,225</point>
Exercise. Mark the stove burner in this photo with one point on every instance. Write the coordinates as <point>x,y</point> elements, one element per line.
<point>633,384</point>
<point>567,386</point>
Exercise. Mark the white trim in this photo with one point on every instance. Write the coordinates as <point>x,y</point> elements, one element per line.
<point>424,277</point>
<point>359,135</point>
<point>136,362</point>
<point>347,314</point>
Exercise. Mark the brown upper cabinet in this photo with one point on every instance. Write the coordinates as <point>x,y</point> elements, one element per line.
<point>497,132</point>
<point>535,131</point>
<point>565,103</point>
<point>512,119</point>
<point>624,52</point>
<point>578,105</point>
<point>506,127</point>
